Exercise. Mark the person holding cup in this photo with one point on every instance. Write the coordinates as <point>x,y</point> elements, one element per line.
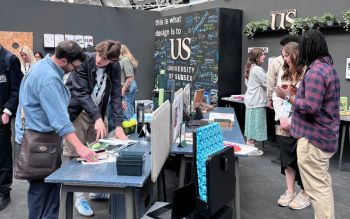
<point>289,77</point>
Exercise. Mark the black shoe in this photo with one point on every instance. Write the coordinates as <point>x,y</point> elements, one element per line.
<point>276,162</point>
<point>4,201</point>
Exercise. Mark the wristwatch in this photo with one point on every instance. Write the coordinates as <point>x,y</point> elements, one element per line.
<point>287,98</point>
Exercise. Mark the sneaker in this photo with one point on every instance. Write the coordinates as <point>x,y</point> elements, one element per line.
<point>83,207</point>
<point>285,199</point>
<point>299,202</point>
<point>99,196</point>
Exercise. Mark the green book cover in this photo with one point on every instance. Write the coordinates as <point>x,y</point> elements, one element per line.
<point>343,103</point>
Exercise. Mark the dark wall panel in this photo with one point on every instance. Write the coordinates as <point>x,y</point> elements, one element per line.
<point>134,28</point>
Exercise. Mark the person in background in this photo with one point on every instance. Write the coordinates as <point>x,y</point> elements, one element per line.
<point>255,97</point>
<point>128,65</point>
<point>26,58</point>
<point>272,74</point>
<point>38,55</point>
<point>92,85</point>
<point>10,79</point>
<point>290,75</point>
<point>315,121</point>
<point>44,100</point>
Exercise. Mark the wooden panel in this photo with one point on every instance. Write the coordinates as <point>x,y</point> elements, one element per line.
<point>9,40</point>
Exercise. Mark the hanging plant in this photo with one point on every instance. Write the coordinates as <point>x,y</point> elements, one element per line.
<point>346,17</point>
<point>253,26</point>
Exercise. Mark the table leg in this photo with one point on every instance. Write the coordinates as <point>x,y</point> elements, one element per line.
<point>237,196</point>
<point>129,204</point>
<point>342,145</point>
<point>182,171</point>
<point>66,204</point>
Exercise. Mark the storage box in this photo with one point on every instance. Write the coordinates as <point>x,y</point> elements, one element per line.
<point>130,163</point>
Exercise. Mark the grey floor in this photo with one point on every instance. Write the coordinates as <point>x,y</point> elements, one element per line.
<point>261,185</point>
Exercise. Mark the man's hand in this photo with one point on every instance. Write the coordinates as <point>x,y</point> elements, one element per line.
<point>5,118</point>
<point>87,154</point>
<point>283,91</point>
<point>119,133</point>
<point>124,105</point>
<point>100,128</point>
<point>270,104</point>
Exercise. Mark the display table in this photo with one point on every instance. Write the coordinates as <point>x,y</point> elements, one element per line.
<point>346,122</point>
<point>232,134</point>
<point>101,178</point>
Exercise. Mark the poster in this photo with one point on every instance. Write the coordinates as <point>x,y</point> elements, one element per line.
<point>347,68</point>
<point>58,38</point>
<point>186,47</point>
<point>49,40</point>
<point>88,41</point>
<point>80,40</point>
<point>69,37</point>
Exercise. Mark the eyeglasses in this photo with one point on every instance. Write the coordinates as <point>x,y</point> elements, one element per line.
<point>74,66</point>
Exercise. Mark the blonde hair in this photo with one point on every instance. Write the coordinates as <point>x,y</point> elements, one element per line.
<point>29,52</point>
<point>124,51</point>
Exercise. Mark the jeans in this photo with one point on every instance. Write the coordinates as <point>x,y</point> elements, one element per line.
<point>5,158</point>
<point>129,98</point>
<point>43,199</point>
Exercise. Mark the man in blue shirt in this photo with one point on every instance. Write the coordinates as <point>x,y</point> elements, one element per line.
<point>44,100</point>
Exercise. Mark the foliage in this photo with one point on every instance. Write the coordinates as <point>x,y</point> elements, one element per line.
<point>311,21</point>
<point>298,25</point>
<point>346,17</point>
<point>327,17</point>
<point>253,26</point>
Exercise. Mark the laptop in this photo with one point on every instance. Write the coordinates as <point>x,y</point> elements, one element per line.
<point>183,204</point>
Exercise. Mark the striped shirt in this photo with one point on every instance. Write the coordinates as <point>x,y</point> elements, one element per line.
<point>316,107</point>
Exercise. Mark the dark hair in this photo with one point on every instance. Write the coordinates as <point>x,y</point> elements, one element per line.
<point>39,53</point>
<point>69,50</point>
<point>109,49</point>
<point>291,49</point>
<point>289,38</point>
<point>253,58</point>
<point>312,46</point>
<point>90,49</point>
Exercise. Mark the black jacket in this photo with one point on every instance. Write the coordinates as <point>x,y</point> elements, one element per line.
<point>9,82</point>
<point>81,84</point>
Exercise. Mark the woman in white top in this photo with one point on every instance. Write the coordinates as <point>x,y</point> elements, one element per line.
<point>26,58</point>
<point>255,98</point>
<point>289,75</point>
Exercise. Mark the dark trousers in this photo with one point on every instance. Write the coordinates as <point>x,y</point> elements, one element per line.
<point>43,200</point>
<point>5,158</point>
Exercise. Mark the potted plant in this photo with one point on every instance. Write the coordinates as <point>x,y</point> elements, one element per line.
<point>311,21</point>
<point>298,25</point>
<point>253,26</point>
<point>328,19</point>
<point>346,17</point>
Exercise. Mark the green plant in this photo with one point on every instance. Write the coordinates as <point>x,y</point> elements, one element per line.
<point>327,17</point>
<point>253,26</point>
<point>346,17</point>
<point>298,25</point>
<point>311,21</point>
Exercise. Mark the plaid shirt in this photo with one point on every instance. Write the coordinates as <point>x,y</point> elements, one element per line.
<point>316,108</point>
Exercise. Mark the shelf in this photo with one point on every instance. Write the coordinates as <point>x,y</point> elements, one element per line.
<point>334,29</point>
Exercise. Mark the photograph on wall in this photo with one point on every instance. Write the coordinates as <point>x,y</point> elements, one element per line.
<point>69,37</point>
<point>88,41</point>
<point>186,47</point>
<point>347,68</point>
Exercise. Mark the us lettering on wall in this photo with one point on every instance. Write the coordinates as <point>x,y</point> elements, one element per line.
<point>13,41</point>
